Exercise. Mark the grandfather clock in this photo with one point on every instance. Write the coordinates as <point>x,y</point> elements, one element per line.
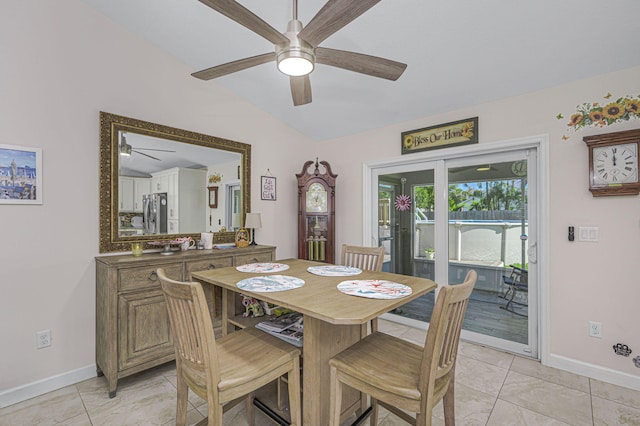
<point>316,212</point>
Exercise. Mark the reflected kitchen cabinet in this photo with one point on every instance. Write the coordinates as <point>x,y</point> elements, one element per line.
<point>141,186</point>
<point>186,207</point>
<point>125,194</point>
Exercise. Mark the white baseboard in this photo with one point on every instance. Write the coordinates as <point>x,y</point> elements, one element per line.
<point>31,390</point>
<point>594,371</point>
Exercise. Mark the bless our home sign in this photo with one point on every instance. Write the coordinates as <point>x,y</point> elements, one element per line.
<point>461,132</point>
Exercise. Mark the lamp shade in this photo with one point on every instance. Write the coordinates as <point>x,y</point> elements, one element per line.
<point>253,221</point>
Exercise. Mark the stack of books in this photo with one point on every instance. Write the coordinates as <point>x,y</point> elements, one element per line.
<point>287,327</point>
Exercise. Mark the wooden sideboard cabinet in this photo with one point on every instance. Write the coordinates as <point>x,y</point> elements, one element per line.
<point>132,323</point>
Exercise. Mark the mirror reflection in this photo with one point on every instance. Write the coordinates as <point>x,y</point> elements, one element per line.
<point>162,187</point>
<point>159,182</point>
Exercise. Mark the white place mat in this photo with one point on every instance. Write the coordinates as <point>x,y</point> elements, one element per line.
<point>374,289</point>
<point>263,268</point>
<point>334,270</point>
<point>270,283</point>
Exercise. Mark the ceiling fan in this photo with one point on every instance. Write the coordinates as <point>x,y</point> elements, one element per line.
<point>297,51</point>
<point>126,149</point>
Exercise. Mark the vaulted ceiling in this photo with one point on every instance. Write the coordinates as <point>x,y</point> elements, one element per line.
<point>459,53</point>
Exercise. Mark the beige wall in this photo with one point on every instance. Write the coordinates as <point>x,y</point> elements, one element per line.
<point>587,281</point>
<point>62,63</point>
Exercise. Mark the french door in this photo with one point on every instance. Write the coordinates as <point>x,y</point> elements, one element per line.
<point>473,211</point>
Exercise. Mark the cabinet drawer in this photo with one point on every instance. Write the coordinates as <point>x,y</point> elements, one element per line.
<point>253,258</point>
<point>207,264</point>
<point>145,276</point>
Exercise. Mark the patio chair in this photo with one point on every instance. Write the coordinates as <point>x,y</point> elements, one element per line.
<point>517,286</point>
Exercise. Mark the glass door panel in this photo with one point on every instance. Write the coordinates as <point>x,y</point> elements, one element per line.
<point>488,228</point>
<point>407,232</point>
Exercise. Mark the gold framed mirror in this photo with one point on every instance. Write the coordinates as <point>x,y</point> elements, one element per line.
<point>154,183</point>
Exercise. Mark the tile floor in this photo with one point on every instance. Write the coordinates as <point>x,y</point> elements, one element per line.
<point>492,388</point>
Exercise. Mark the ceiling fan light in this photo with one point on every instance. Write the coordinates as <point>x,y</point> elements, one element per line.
<point>295,63</point>
<point>125,149</point>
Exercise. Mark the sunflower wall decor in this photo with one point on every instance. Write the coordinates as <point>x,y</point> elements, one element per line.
<point>594,114</point>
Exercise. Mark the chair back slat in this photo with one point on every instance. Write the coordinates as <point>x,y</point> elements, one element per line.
<point>445,327</point>
<point>365,258</point>
<point>189,316</point>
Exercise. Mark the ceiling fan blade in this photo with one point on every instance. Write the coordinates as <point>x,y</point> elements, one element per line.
<point>153,149</point>
<point>146,155</point>
<point>300,90</point>
<point>334,15</point>
<point>231,67</point>
<point>365,64</point>
<point>235,11</point>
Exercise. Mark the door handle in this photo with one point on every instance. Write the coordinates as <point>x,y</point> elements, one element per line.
<point>533,253</point>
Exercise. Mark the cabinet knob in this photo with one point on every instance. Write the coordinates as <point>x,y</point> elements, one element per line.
<point>153,276</point>
<point>211,266</point>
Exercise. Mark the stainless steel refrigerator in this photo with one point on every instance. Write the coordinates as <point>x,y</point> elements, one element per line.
<point>155,213</point>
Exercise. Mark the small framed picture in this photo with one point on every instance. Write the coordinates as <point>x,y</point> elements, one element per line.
<point>268,188</point>
<point>213,197</point>
<point>20,175</point>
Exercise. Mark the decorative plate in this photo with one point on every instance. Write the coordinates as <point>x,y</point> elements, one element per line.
<point>263,268</point>
<point>270,283</point>
<point>374,289</point>
<point>334,270</point>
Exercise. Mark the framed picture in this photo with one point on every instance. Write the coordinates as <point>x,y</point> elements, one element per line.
<point>213,196</point>
<point>268,188</point>
<point>461,132</point>
<point>20,175</point>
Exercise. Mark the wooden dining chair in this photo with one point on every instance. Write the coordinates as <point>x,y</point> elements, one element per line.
<point>365,258</point>
<point>223,371</point>
<point>400,375</point>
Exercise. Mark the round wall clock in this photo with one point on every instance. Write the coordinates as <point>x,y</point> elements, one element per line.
<point>613,163</point>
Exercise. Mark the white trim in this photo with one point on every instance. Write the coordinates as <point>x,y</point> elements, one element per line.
<point>40,387</point>
<point>594,371</point>
<point>538,142</point>
<point>555,361</point>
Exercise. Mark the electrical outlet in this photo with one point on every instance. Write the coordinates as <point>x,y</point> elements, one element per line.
<point>43,339</point>
<point>595,329</point>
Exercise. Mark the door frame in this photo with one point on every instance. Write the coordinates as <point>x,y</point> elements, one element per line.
<point>540,144</point>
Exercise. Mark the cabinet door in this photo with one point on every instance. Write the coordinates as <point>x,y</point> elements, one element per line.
<point>125,194</point>
<point>160,183</point>
<point>212,294</point>
<point>141,186</point>
<point>144,331</point>
<point>173,195</point>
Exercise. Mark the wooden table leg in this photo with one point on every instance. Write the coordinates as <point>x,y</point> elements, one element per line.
<point>322,341</point>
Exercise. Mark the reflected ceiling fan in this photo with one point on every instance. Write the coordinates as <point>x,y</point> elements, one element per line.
<point>126,149</point>
<point>297,51</point>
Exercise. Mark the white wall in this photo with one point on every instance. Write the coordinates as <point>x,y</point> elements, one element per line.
<point>62,63</point>
<point>587,281</point>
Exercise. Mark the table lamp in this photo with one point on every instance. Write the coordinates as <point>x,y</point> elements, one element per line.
<point>253,221</point>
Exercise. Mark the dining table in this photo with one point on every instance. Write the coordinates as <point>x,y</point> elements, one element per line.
<point>333,318</point>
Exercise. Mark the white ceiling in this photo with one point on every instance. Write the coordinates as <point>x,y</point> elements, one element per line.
<point>459,53</point>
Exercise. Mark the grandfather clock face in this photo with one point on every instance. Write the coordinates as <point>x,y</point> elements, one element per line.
<point>316,198</point>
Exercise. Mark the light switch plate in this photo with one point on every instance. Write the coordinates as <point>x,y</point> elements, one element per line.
<point>588,233</point>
